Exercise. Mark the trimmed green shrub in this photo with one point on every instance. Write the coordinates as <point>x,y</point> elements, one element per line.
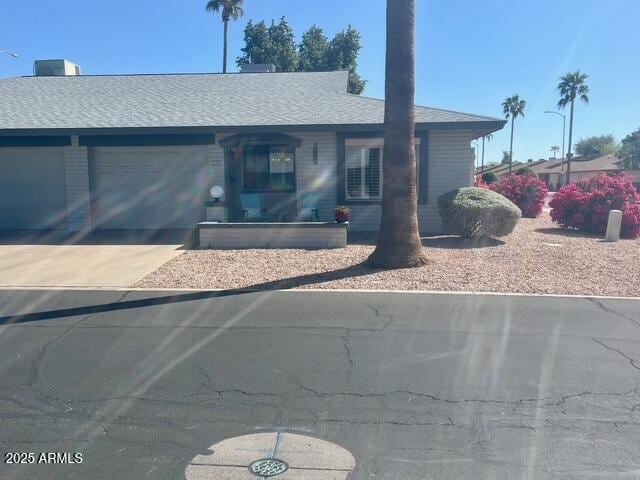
<point>476,212</point>
<point>489,177</point>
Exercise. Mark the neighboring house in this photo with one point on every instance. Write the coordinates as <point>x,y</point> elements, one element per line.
<point>501,170</point>
<point>552,171</point>
<point>142,151</point>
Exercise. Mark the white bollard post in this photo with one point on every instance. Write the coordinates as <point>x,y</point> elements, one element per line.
<point>613,226</point>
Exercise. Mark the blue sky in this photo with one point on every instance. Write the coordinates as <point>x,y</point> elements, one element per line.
<point>470,54</point>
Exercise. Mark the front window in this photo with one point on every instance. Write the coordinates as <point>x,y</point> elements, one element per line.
<point>364,173</point>
<point>268,168</point>
<point>363,164</point>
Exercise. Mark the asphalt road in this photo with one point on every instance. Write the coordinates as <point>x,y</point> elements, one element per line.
<point>417,386</point>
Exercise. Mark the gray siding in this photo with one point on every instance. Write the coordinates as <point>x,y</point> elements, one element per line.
<point>320,178</point>
<point>450,166</point>
<point>76,175</point>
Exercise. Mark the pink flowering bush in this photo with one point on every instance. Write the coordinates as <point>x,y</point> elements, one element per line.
<point>585,204</point>
<point>526,191</point>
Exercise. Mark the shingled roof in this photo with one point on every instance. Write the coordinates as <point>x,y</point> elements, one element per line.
<point>604,163</point>
<point>199,100</point>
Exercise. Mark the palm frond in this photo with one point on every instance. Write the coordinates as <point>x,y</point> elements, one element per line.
<point>573,85</point>
<point>214,6</point>
<point>230,9</point>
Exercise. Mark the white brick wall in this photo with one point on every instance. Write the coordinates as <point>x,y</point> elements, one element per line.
<point>76,174</point>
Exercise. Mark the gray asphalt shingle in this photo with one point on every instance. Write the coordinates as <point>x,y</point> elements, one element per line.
<point>216,100</point>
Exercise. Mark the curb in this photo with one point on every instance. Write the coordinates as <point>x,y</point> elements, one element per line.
<point>312,290</point>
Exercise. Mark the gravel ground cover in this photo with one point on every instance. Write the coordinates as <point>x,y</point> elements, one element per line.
<point>537,257</point>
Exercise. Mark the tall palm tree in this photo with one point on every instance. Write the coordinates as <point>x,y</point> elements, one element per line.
<point>229,10</point>
<point>399,244</point>
<point>572,86</point>
<point>488,138</point>
<point>555,149</point>
<point>513,108</point>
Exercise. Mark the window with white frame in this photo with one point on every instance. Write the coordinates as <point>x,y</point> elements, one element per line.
<point>363,173</point>
<point>363,168</point>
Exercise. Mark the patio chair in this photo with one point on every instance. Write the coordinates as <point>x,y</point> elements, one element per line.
<point>252,210</point>
<point>308,207</point>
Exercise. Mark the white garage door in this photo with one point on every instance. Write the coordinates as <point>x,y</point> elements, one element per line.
<point>32,189</point>
<point>149,187</point>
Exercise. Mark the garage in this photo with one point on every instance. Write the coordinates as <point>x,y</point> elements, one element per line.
<point>32,189</point>
<point>148,187</point>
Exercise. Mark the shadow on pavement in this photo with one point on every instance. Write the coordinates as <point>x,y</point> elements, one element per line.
<point>287,283</point>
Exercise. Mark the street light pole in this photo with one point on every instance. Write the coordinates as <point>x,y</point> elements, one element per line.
<point>564,123</point>
<point>7,52</point>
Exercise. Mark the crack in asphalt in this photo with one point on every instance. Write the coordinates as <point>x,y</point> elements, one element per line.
<point>610,310</point>
<point>632,361</point>
<point>347,349</point>
<point>396,423</point>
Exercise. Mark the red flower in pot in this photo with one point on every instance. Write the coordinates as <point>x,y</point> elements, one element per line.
<point>342,214</point>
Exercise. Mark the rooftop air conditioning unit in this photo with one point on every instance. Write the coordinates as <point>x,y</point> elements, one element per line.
<point>258,68</point>
<point>55,68</point>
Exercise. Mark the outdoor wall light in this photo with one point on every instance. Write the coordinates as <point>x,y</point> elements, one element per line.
<point>315,153</point>
<point>216,192</point>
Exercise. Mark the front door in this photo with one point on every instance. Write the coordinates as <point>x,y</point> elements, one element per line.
<point>266,170</point>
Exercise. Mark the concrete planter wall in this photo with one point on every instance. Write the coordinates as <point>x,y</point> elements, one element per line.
<point>273,235</point>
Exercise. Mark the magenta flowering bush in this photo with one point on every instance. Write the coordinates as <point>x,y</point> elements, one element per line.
<point>585,204</point>
<point>526,191</point>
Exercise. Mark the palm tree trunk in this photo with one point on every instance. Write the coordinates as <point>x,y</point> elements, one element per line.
<point>224,47</point>
<point>511,146</point>
<point>569,154</point>
<point>399,244</point>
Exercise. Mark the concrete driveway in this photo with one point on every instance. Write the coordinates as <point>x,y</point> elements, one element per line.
<point>80,265</point>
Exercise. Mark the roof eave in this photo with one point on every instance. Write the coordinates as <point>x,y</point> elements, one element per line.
<point>479,127</point>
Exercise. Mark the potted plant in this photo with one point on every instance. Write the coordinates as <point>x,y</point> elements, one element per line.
<point>342,213</point>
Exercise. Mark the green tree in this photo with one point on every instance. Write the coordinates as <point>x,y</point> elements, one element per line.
<point>572,86</point>
<point>229,10</point>
<point>513,107</point>
<point>629,150</point>
<point>597,145</point>
<point>274,44</point>
<point>399,244</point>
<point>313,51</point>
<point>343,55</point>
<point>505,158</point>
<point>555,149</point>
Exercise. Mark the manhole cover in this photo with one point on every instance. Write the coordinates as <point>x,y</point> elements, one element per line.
<point>268,467</point>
